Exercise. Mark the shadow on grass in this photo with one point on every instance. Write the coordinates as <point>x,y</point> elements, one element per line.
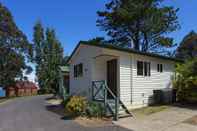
<point>59,110</point>
<point>51,97</point>
<point>191,106</point>
<point>3,99</point>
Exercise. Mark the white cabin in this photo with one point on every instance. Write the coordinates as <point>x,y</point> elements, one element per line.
<point>131,74</point>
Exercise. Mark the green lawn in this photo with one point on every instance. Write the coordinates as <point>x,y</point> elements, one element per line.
<point>150,110</point>
<point>3,99</point>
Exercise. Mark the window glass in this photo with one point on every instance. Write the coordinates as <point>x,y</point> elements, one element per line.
<point>159,67</point>
<point>78,70</point>
<point>143,68</point>
<point>149,69</point>
<point>140,68</point>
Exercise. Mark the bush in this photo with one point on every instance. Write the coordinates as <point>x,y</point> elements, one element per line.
<point>76,105</point>
<point>94,109</point>
<point>65,102</point>
<point>186,81</point>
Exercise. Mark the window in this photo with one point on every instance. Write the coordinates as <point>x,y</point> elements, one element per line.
<point>78,70</point>
<point>146,68</point>
<point>140,68</point>
<point>159,67</point>
<point>143,68</point>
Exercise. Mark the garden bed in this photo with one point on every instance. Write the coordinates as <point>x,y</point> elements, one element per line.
<point>93,122</point>
<point>55,106</point>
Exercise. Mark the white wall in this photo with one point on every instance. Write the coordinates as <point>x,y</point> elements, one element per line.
<point>142,91</point>
<point>84,55</point>
<point>124,74</point>
<point>135,91</point>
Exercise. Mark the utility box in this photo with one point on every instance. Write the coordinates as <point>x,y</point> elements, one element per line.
<point>158,96</point>
<point>164,96</point>
<point>167,96</point>
<point>2,92</point>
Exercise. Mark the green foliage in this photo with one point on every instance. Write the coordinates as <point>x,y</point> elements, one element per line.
<point>188,47</point>
<point>97,40</point>
<point>48,56</point>
<point>65,102</point>
<point>186,80</point>
<point>65,60</point>
<point>140,24</point>
<point>44,91</point>
<point>14,49</point>
<point>94,109</point>
<point>76,105</point>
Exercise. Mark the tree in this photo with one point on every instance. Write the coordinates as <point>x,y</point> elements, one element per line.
<point>38,58</point>
<point>139,24</point>
<point>48,56</point>
<point>186,81</point>
<point>54,59</point>
<point>14,49</point>
<point>65,61</point>
<point>96,40</point>
<point>188,47</point>
<point>38,39</point>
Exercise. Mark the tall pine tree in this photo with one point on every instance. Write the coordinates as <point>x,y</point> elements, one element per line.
<point>188,47</point>
<point>48,57</point>
<point>139,24</point>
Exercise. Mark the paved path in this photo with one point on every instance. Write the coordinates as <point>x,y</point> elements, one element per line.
<point>172,119</point>
<point>30,114</point>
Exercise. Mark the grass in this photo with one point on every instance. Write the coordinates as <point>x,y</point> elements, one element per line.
<point>3,100</point>
<point>150,110</point>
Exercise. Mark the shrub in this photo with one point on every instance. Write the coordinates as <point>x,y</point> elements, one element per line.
<point>186,81</point>
<point>65,102</point>
<point>94,109</point>
<point>76,105</point>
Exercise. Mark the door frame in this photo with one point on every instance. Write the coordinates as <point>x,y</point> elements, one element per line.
<point>117,90</point>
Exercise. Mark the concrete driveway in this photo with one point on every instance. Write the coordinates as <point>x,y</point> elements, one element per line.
<point>172,119</point>
<point>30,114</point>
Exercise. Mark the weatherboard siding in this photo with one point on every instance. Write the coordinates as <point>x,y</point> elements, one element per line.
<point>124,74</point>
<point>82,85</point>
<point>125,79</point>
<point>135,91</point>
<point>142,91</point>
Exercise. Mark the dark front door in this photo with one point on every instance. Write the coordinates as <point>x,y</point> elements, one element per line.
<point>112,76</point>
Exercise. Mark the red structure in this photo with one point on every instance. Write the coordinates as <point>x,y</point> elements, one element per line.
<point>10,91</point>
<point>22,88</point>
<point>34,90</point>
<point>27,87</point>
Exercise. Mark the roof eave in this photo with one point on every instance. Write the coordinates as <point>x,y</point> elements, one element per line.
<point>124,50</point>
